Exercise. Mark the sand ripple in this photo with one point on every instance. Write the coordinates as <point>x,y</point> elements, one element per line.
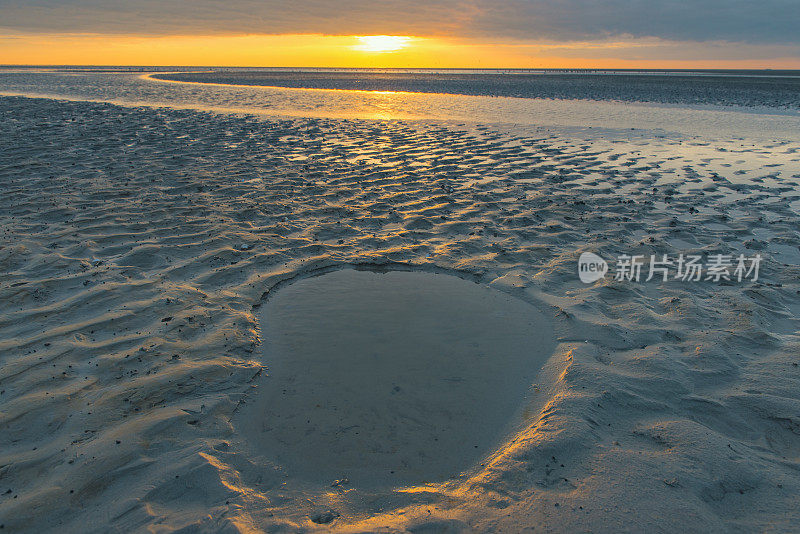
<point>135,243</point>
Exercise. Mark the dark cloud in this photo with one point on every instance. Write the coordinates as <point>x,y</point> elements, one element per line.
<point>765,21</point>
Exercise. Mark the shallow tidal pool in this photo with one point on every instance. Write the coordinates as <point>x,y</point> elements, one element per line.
<point>389,378</point>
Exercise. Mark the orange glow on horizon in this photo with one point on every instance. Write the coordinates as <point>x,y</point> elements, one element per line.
<point>381,43</point>
<point>372,51</point>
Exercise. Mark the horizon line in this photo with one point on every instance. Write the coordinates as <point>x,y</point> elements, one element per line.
<point>654,69</point>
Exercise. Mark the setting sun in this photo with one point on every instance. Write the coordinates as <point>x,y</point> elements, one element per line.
<point>381,43</point>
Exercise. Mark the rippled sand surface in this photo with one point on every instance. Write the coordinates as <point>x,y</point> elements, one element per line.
<point>136,242</point>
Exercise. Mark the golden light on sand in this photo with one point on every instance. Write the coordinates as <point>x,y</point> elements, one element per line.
<point>381,43</point>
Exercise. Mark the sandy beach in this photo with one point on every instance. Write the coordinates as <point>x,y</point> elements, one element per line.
<point>141,243</point>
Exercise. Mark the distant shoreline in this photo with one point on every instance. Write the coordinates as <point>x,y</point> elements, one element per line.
<point>723,88</point>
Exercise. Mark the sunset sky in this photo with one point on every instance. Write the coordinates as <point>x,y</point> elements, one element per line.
<point>403,33</point>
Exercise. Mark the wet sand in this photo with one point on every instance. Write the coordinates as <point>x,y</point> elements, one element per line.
<point>137,244</point>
